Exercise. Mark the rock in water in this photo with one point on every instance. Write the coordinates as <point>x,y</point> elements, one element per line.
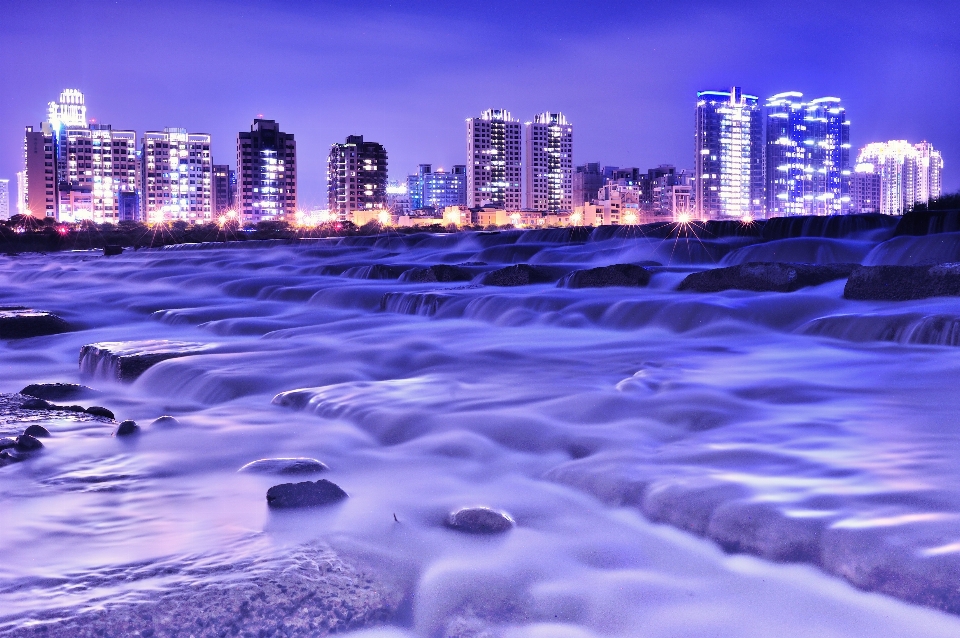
<point>285,466</point>
<point>165,422</point>
<point>7,442</point>
<point>520,275</point>
<point>306,494</point>
<point>37,404</point>
<point>127,360</point>
<point>127,428</point>
<point>97,410</point>
<point>903,283</point>
<point>110,251</point>
<point>437,273</point>
<point>765,277</point>
<point>27,443</point>
<point>480,520</point>
<point>24,323</point>
<point>58,391</point>
<point>616,275</point>
<point>36,430</point>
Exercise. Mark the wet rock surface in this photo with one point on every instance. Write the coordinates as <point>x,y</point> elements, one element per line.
<point>23,323</point>
<point>128,428</point>
<point>616,275</point>
<point>37,430</point>
<point>520,275</point>
<point>479,520</point>
<point>58,391</point>
<point>97,410</point>
<point>437,273</point>
<point>903,283</point>
<point>126,360</point>
<point>765,277</point>
<point>309,592</point>
<point>165,422</point>
<point>284,466</point>
<point>305,494</point>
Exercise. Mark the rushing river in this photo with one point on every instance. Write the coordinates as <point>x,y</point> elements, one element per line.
<point>677,464</point>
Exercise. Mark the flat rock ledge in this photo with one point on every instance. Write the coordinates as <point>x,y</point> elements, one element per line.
<point>125,361</point>
<point>520,275</point>
<point>310,592</point>
<point>437,273</point>
<point>762,276</point>
<point>23,323</point>
<point>628,275</point>
<point>903,283</point>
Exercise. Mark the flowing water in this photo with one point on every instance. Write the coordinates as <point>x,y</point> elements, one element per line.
<point>677,464</point>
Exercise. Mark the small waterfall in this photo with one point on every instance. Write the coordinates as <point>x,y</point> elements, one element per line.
<point>425,304</point>
<point>908,328</point>
<point>915,250</point>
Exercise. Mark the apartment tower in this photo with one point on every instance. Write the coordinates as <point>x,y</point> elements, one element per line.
<point>356,177</point>
<point>493,160</point>
<point>548,164</point>
<point>267,173</point>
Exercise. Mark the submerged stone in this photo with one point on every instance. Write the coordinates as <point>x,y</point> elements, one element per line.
<point>306,494</point>
<point>7,442</point>
<point>165,421</point>
<point>604,276</point>
<point>25,323</point>
<point>127,428</point>
<point>479,520</point>
<point>27,443</point>
<point>37,430</point>
<point>127,360</point>
<point>765,277</point>
<point>285,466</point>
<point>903,283</point>
<point>57,391</point>
<point>97,410</point>
<point>36,404</point>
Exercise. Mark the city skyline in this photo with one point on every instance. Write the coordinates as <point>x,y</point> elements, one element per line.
<point>630,113</point>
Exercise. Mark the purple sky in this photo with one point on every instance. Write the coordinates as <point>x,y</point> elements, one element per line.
<point>408,74</point>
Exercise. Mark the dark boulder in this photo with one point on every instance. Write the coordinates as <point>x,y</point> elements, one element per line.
<point>437,273</point>
<point>110,251</point>
<point>127,360</point>
<point>520,275</point>
<point>604,276</point>
<point>27,443</point>
<point>37,431</point>
<point>25,323</point>
<point>285,466</point>
<point>97,410</point>
<point>7,442</point>
<point>765,277</point>
<point>165,421</point>
<point>902,283</point>
<point>479,520</point>
<point>37,404</point>
<point>70,408</point>
<point>127,428</point>
<point>306,494</point>
<point>58,391</point>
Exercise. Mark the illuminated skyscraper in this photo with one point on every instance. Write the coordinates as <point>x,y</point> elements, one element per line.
<point>493,160</point>
<point>176,182</point>
<point>40,172</point>
<point>807,156</point>
<point>548,164</point>
<point>97,164</point>
<point>267,173</point>
<point>223,188</point>
<point>729,155</point>
<point>356,177</point>
<point>4,199</point>
<point>909,174</point>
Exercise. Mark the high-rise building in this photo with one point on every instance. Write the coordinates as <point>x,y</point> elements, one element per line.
<point>865,190</point>
<point>266,173</point>
<point>729,155</point>
<point>493,160</point>
<point>223,188</point>
<point>548,167</point>
<point>22,192</point>
<point>40,168</point>
<point>437,189</point>
<point>587,181</point>
<point>356,177</point>
<point>398,198</point>
<point>175,176</point>
<point>97,164</point>
<point>69,111</point>
<point>807,156</point>
<point>4,199</point>
<point>909,173</point>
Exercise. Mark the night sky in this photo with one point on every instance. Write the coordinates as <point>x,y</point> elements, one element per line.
<point>408,74</point>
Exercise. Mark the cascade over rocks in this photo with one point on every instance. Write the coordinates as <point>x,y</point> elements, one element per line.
<point>479,520</point>
<point>902,283</point>
<point>22,323</point>
<point>616,275</point>
<point>285,466</point>
<point>765,277</point>
<point>127,360</point>
<point>306,494</point>
<point>520,275</point>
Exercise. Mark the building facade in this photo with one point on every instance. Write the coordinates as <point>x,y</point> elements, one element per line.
<point>909,173</point>
<point>587,180</point>
<point>224,182</point>
<point>98,165</point>
<point>40,172</point>
<point>437,189</point>
<point>807,156</point>
<point>175,178</point>
<point>266,173</point>
<point>356,177</point>
<point>494,160</point>
<point>4,199</point>
<point>865,190</point>
<point>548,164</point>
<point>728,157</point>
